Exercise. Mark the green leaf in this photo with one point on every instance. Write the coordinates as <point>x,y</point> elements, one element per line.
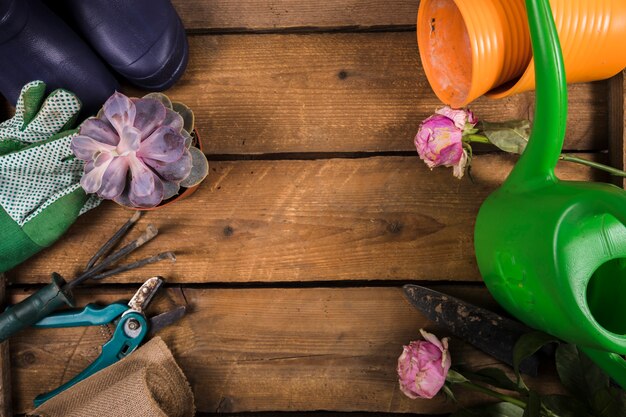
<point>533,406</point>
<point>577,373</point>
<point>586,381</point>
<point>495,377</point>
<point>449,394</point>
<point>492,410</point>
<point>526,346</point>
<point>455,378</point>
<point>565,406</point>
<point>511,136</point>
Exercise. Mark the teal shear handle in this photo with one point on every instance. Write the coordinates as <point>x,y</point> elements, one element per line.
<point>130,331</point>
<point>90,315</point>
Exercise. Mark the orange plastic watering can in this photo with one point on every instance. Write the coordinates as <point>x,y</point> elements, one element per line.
<point>553,252</point>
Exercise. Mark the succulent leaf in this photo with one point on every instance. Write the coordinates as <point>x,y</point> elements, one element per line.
<point>170,189</point>
<point>186,113</point>
<point>150,115</point>
<point>199,170</point>
<point>174,120</point>
<point>188,139</point>
<point>165,100</point>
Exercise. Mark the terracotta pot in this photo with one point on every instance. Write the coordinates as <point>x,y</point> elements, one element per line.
<point>474,47</point>
<point>187,191</point>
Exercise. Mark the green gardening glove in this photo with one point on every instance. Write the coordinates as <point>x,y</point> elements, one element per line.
<point>40,194</point>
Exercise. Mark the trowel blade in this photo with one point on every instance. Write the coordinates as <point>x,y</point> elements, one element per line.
<point>486,330</point>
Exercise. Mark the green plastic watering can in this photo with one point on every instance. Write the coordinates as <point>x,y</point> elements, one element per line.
<point>553,252</point>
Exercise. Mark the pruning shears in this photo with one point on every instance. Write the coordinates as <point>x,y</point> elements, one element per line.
<point>131,328</point>
<point>59,292</point>
<point>553,252</point>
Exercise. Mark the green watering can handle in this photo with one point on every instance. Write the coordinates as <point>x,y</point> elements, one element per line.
<point>536,166</point>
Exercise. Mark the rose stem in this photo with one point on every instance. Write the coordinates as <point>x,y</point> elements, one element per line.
<point>156,258</point>
<point>148,235</point>
<point>610,170</point>
<point>477,138</point>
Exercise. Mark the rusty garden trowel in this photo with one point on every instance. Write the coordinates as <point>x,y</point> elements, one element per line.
<point>485,330</point>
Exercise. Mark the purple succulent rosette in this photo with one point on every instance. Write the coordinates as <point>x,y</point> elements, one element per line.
<point>137,151</point>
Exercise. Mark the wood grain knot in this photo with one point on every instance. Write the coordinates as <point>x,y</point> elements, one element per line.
<point>342,75</point>
<point>395,227</point>
<point>27,359</point>
<point>228,231</point>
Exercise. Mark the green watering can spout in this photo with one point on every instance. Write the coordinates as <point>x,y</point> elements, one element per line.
<point>536,166</point>
<point>553,252</point>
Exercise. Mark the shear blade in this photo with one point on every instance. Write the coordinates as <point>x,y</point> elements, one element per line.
<point>486,330</point>
<point>165,319</point>
<point>145,294</point>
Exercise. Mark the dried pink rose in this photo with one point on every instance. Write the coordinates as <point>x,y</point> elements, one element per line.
<point>440,142</point>
<point>132,150</point>
<point>460,117</point>
<point>423,366</point>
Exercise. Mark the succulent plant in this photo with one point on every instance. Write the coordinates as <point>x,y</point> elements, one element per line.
<point>139,151</point>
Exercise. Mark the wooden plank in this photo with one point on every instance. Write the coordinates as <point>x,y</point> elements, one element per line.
<point>366,92</point>
<point>356,92</point>
<point>253,350</point>
<point>617,124</point>
<point>6,406</point>
<point>387,218</point>
<point>263,15</point>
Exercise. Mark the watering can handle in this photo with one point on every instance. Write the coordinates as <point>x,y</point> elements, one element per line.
<point>536,166</point>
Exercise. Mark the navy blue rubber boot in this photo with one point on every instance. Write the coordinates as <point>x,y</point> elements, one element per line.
<point>35,44</point>
<point>144,41</point>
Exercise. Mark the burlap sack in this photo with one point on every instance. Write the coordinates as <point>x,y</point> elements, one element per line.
<point>147,383</point>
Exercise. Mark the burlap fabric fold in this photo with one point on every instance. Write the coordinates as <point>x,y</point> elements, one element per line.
<point>147,383</point>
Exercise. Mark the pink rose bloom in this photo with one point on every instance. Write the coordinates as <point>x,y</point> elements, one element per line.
<point>440,142</point>
<point>460,117</point>
<point>423,366</point>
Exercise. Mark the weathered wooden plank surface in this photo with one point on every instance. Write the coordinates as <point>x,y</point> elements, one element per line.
<point>355,92</point>
<point>387,218</point>
<point>267,349</point>
<point>617,124</point>
<point>292,14</point>
<point>6,406</point>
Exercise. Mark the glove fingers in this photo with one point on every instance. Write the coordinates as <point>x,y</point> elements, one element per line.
<point>58,110</point>
<point>30,100</point>
<point>27,106</point>
<point>37,176</point>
